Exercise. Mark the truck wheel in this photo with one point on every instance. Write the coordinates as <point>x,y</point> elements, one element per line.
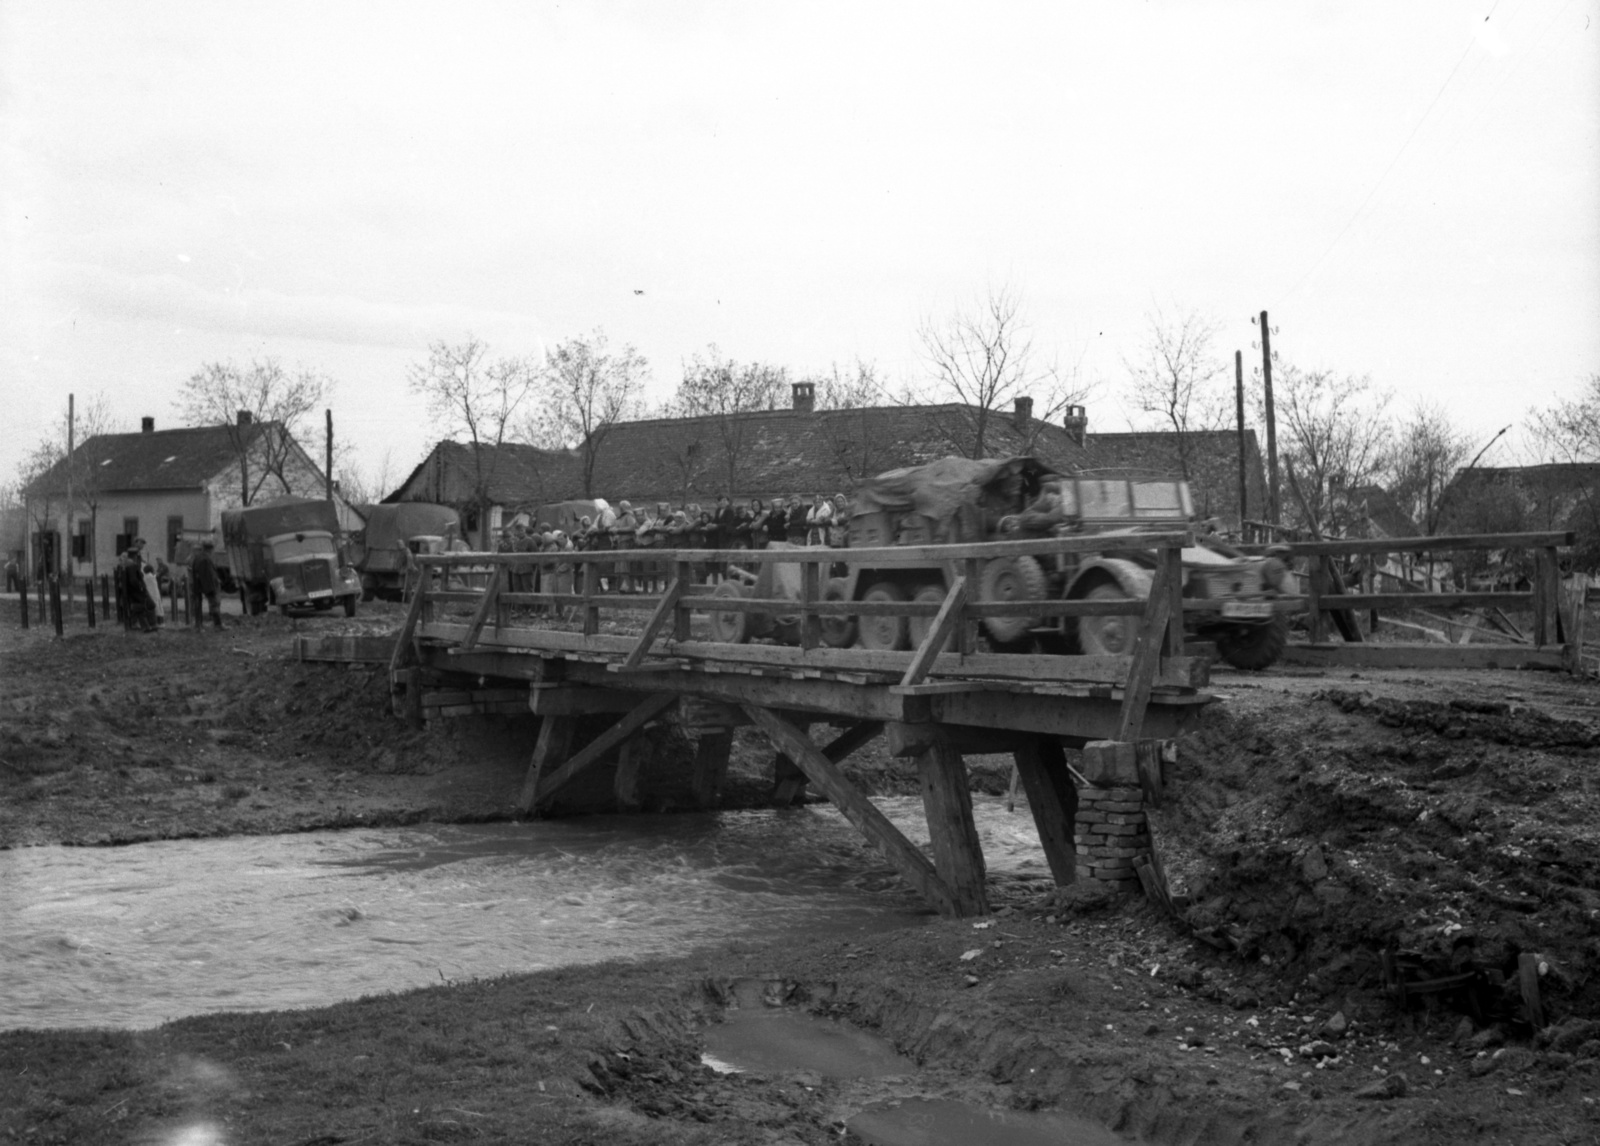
<point>838,632</point>
<point>1254,646</point>
<point>883,634</point>
<point>1107,636</point>
<point>350,605</point>
<point>1010,579</point>
<point>729,628</point>
<point>917,627</point>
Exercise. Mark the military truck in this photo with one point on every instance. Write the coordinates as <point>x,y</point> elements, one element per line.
<point>188,544</point>
<point>383,549</point>
<point>957,500</point>
<point>287,553</point>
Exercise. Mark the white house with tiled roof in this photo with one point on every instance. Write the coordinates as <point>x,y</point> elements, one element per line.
<point>160,484</point>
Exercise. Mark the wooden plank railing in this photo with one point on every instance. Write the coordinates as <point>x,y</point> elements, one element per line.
<point>1542,598</point>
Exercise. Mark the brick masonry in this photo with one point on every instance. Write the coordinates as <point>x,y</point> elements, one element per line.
<point>1110,831</point>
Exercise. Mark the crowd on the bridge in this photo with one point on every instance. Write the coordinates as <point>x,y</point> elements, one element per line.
<point>722,525</point>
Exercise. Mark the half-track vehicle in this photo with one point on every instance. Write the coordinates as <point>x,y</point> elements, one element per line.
<point>960,501</point>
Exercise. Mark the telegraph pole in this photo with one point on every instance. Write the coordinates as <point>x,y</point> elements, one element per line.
<point>328,453</point>
<point>1238,400</point>
<point>71,429</point>
<point>1272,425</point>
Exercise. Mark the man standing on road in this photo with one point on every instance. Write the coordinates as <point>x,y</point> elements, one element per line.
<point>207,586</point>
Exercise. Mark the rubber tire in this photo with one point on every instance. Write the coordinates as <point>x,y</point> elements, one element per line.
<point>1011,579</point>
<point>917,627</point>
<point>1254,647</point>
<point>1107,636</point>
<point>350,605</point>
<point>882,634</point>
<point>730,628</point>
<point>838,632</point>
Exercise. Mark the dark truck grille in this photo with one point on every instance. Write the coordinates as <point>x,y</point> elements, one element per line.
<point>316,576</point>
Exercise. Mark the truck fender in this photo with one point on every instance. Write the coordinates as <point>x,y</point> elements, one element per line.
<point>1131,577</point>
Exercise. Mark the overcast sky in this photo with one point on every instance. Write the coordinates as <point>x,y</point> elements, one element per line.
<point>1412,189</point>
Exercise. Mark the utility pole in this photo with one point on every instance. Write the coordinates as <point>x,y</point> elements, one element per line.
<point>1238,401</point>
<point>1273,507</point>
<point>71,429</point>
<point>328,453</point>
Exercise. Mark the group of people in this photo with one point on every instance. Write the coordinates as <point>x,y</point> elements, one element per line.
<point>140,587</point>
<point>722,526</point>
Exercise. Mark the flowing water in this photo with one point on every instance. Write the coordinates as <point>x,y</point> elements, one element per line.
<point>134,936</point>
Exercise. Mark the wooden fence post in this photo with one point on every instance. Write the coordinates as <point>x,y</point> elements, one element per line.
<point>1316,618</point>
<point>55,604</point>
<point>22,596</point>
<point>88,596</point>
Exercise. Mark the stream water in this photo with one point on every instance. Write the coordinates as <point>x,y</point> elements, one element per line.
<point>134,936</point>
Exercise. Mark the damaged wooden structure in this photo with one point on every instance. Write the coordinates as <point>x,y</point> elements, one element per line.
<point>947,697</point>
<point>1346,585</point>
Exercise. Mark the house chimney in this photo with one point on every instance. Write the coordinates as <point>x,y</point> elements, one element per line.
<point>1022,415</point>
<point>147,425</point>
<point>1077,422</point>
<point>244,417</point>
<point>805,396</point>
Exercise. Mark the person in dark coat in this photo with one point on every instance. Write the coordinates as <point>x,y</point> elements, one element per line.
<point>140,608</point>
<point>206,584</point>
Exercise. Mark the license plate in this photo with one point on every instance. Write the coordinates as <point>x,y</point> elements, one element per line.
<point>1254,610</point>
<point>315,593</point>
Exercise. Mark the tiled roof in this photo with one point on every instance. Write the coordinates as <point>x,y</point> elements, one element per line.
<point>161,459</point>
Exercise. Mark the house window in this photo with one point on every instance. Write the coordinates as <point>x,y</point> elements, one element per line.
<point>81,541</point>
<point>174,531</point>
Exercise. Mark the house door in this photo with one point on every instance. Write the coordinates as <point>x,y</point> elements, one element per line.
<point>174,531</point>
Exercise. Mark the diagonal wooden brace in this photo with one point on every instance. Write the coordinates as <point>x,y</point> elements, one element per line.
<point>485,607</point>
<point>944,625</point>
<point>658,620</point>
<point>604,743</point>
<point>904,856</point>
<point>1147,653</point>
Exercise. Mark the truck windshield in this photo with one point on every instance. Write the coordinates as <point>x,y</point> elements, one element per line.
<point>291,545</point>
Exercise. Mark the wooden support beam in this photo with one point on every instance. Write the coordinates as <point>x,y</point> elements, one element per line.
<point>591,586</point>
<point>552,746</point>
<point>665,608</point>
<point>405,649</point>
<point>1172,639</point>
<point>683,615</point>
<point>485,607</point>
<point>810,594</point>
<point>580,700</point>
<point>944,624</point>
<point>711,755</point>
<point>1425,656</point>
<point>1053,800</point>
<point>630,763</point>
<point>902,854</point>
<point>549,783</point>
<point>788,779</point>
<point>1316,618</point>
<point>1146,653</point>
<point>856,736</point>
<point>947,802</point>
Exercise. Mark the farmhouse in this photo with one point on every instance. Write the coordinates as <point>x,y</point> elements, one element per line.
<point>159,484</point>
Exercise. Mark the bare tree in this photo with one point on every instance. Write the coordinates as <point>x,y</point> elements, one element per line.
<point>983,358</point>
<point>1334,435</point>
<point>54,484</point>
<point>1569,432</point>
<point>725,390</point>
<point>278,403</point>
<point>1174,378</point>
<point>92,419</point>
<point>44,497</point>
<point>849,389</point>
<point>362,484</point>
<point>1429,449</point>
<point>586,389</point>
<point>469,394</point>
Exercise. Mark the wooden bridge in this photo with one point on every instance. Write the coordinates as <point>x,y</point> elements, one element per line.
<point>590,649</point>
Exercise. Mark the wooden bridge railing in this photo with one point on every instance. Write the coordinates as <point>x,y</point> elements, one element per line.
<point>1328,597</point>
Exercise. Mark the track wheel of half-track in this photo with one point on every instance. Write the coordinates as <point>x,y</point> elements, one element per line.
<point>729,628</point>
<point>838,632</point>
<point>1008,579</point>
<point>1254,647</point>
<point>917,627</point>
<point>1108,636</point>
<point>880,633</point>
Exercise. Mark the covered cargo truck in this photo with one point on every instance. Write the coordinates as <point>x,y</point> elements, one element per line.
<point>394,534</point>
<point>288,553</point>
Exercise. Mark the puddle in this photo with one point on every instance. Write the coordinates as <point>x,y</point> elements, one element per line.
<point>776,1041</point>
<point>943,1122</point>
